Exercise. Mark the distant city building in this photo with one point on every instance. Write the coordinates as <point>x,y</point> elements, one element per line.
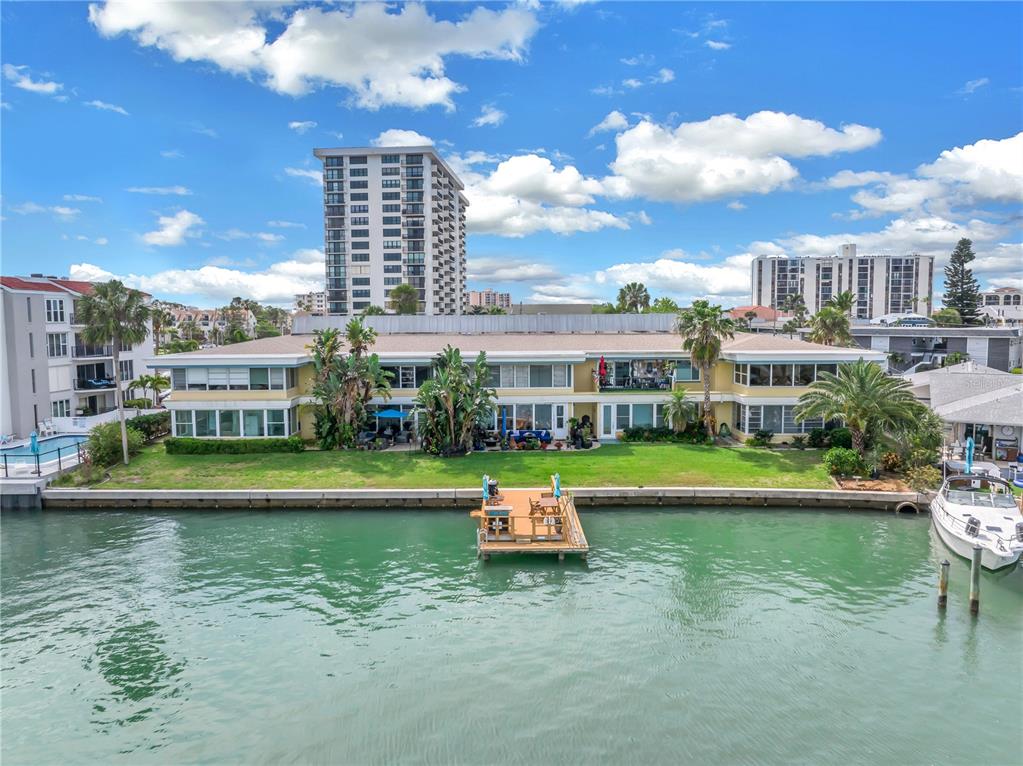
<point>1002,296</point>
<point>50,373</point>
<point>312,302</point>
<point>211,324</point>
<point>392,215</point>
<point>881,284</point>
<point>913,348</point>
<point>488,298</point>
<point>762,313</point>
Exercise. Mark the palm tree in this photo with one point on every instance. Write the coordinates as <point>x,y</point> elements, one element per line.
<point>114,314</point>
<point>867,400</point>
<point>454,402</point>
<point>633,298</point>
<point>373,311</point>
<point>404,299</point>
<point>844,302</point>
<point>703,329</point>
<point>830,327</point>
<point>477,310</point>
<point>158,383</point>
<point>680,410</point>
<point>188,328</point>
<point>162,322</point>
<point>496,311</point>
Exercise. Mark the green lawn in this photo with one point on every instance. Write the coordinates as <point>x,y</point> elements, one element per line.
<point>611,465</point>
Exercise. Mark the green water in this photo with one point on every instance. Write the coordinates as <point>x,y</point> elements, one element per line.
<point>713,636</point>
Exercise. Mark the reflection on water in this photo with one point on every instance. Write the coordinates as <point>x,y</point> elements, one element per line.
<point>727,636</point>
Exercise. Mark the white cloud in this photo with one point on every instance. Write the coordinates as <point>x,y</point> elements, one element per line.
<point>990,169</point>
<point>640,59</point>
<point>103,105</point>
<point>723,155</point>
<point>614,121</point>
<point>101,241</point>
<point>632,82</point>
<point>570,291</point>
<point>536,179</point>
<point>845,179</point>
<point>511,270</point>
<point>301,126</point>
<point>398,137</point>
<point>81,198</point>
<point>198,127</point>
<point>717,45</point>
<point>663,75</point>
<point>60,212</point>
<point>301,272</point>
<point>489,115</point>
<point>264,237</point>
<point>285,225</point>
<point>315,176</point>
<point>97,241</point>
<point>172,154</point>
<point>898,195</point>
<point>384,57</point>
<point>21,77</point>
<point>736,205</point>
<point>173,229</point>
<point>683,278</point>
<point>971,86</point>
<point>180,191</point>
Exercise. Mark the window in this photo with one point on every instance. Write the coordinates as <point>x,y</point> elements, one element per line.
<point>804,375</point>
<point>642,415</point>
<point>230,423</point>
<point>360,232</point>
<point>781,374</point>
<point>253,422</point>
<point>358,159</point>
<point>391,183</point>
<point>542,416</point>
<point>127,369</point>
<point>359,185</point>
<point>360,257</point>
<point>606,420</point>
<point>360,208</point>
<point>360,293</point>
<point>360,281</point>
<point>360,220</point>
<point>621,417</point>
<point>334,175</point>
<point>413,159</point>
<point>392,220</point>
<point>205,422</point>
<point>60,408</point>
<point>414,183</point>
<point>540,376</point>
<point>31,346</point>
<point>742,374</point>
<point>56,344</point>
<point>760,374</point>
<point>360,245</point>
<point>392,232</point>
<point>291,377</point>
<point>390,159</point>
<point>390,171</point>
<point>392,281</point>
<point>832,368</point>
<point>391,268</point>
<point>333,162</point>
<point>335,199</point>
<point>523,416</point>
<point>276,379</point>
<point>259,379</point>
<point>334,186</point>
<point>685,371</point>
<point>217,378</point>
<point>391,195</point>
<point>275,423</point>
<point>33,371</point>
<point>358,172</point>
<point>361,197</point>
<point>238,378</point>
<point>391,209</point>
<point>28,309</point>
<point>183,423</point>
<point>393,244</point>
<point>772,418</point>
<point>196,379</point>
<point>54,310</point>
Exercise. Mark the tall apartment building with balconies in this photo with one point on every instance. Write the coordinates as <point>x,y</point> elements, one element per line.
<point>881,284</point>
<point>392,215</point>
<point>49,371</point>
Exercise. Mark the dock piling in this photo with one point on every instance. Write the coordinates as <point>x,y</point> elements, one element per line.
<point>943,585</point>
<point>975,580</point>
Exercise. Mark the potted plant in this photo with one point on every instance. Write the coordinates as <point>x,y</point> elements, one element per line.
<point>586,438</point>
<point>559,445</point>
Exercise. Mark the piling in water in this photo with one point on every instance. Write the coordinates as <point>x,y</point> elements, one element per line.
<point>975,580</point>
<point>943,585</point>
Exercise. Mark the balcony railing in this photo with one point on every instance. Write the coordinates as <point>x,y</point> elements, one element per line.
<point>636,383</point>
<point>94,384</point>
<point>84,352</point>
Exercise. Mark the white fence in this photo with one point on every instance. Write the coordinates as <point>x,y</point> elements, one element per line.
<point>81,424</point>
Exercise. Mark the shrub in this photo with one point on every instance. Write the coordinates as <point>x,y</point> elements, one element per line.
<point>840,437</point>
<point>82,476</point>
<point>922,478</point>
<point>179,445</point>
<point>799,441</point>
<point>141,404</point>
<point>891,461</point>
<point>817,438</point>
<point>761,438</point>
<point>104,444</point>
<point>843,461</point>
<point>151,426</point>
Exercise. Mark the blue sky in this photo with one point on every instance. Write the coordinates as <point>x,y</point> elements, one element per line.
<point>171,144</point>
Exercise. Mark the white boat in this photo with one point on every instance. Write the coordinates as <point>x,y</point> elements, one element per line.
<point>979,510</point>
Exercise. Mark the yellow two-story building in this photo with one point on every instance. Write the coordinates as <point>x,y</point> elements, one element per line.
<point>615,380</point>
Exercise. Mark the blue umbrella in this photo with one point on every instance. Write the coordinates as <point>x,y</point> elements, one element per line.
<point>557,485</point>
<point>969,455</point>
<point>35,443</point>
<point>391,414</point>
<point>486,487</point>
<point>504,419</point>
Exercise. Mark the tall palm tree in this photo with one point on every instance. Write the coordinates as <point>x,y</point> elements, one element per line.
<point>633,298</point>
<point>114,314</point>
<point>477,310</point>
<point>867,400</point>
<point>404,299</point>
<point>680,410</point>
<point>454,402</point>
<point>830,327</point>
<point>162,321</point>
<point>844,302</point>
<point>703,328</point>
<point>496,311</point>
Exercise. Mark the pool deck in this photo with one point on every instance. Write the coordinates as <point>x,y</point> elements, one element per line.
<point>514,524</point>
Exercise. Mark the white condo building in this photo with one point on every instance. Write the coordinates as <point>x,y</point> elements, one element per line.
<point>392,215</point>
<point>882,284</point>
<point>50,373</point>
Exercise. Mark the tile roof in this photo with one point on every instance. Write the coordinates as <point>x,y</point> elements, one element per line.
<point>17,283</point>
<point>82,288</point>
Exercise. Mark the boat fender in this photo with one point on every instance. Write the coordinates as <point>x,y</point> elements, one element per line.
<point>973,526</point>
<point>907,507</point>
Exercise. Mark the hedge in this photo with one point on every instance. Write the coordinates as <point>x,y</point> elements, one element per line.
<point>151,426</point>
<point>178,445</point>
<point>139,404</point>
<point>693,435</point>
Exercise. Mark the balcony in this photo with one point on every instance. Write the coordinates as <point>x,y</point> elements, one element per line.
<point>636,383</point>
<point>81,351</point>
<point>94,384</point>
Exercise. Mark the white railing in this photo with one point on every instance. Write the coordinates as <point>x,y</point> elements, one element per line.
<point>81,424</point>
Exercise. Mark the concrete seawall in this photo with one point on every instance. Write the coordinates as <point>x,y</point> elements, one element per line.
<point>436,499</point>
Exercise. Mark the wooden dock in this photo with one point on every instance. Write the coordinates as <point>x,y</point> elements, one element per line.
<point>529,521</point>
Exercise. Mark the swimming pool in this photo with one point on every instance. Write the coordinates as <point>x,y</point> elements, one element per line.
<point>47,449</point>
